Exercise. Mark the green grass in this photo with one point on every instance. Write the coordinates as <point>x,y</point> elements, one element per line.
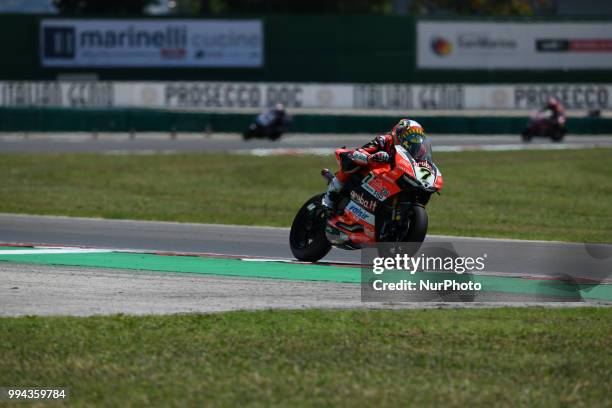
<point>478,358</point>
<point>553,195</point>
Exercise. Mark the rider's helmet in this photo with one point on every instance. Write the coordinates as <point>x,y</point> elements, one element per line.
<point>411,136</point>
<point>279,108</point>
<point>554,104</point>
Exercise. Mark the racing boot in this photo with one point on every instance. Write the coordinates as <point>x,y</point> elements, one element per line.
<point>330,199</point>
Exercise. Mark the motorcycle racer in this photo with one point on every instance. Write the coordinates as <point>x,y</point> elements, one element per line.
<point>550,121</point>
<point>555,107</point>
<point>270,124</point>
<point>407,133</point>
<point>275,119</point>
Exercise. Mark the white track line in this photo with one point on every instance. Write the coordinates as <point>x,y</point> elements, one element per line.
<point>52,251</point>
<point>325,151</point>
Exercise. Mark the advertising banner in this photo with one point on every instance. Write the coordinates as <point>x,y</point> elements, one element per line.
<point>514,46</point>
<point>81,94</point>
<point>534,96</point>
<point>151,43</point>
<point>257,95</point>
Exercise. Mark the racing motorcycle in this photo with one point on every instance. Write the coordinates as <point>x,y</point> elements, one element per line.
<point>385,203</point>
<point>544,124</point>
<point>256,131</point>
<point>270,124</point>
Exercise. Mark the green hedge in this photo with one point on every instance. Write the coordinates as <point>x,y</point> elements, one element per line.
<point>149,120</point>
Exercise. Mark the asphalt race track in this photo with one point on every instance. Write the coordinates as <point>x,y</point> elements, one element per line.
<point>111,286</point>
<point>149,143</point>
<point>40,284</point>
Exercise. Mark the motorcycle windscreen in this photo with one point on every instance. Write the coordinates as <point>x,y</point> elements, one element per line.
<point>418,151</point>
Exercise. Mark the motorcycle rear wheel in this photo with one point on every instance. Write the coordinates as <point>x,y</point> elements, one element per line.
<point>526,135</point>
<point>557,135</point>
<point>275,136</point>
<point>307,236</point>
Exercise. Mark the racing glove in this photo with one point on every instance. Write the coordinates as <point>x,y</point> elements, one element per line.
<point>379,157</point>
<point>360,158</point>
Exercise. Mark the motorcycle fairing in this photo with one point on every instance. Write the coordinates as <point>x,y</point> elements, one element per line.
<point>357,223</point>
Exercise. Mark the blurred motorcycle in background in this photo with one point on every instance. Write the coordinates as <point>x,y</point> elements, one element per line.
<point>545,124</point>
<point>270,124</point>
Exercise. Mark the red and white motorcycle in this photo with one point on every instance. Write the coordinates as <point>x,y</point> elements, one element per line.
<point>546,125</point>
<point>383,203</point>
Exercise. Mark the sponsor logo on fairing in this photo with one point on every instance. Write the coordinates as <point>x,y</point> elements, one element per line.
<point>426,164</point>
<point>369,205</point>
<point>359,212</point>
<point>375,187</point>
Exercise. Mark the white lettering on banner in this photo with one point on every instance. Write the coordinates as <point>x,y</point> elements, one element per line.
<point>441,97</point>
<point>228,95</point>
<point>50,94</point>
<point>399,96</point>
<point>382,97</point>
<point>212,95</point>
<point>571,96</point>
<point>151,43</point>
<point>513,45</point>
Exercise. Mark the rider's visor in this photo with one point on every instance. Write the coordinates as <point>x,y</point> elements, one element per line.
<point>412,143</point>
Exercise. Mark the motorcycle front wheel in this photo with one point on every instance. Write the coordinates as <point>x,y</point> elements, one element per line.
<point>526,135</point>
<point>307,236</point>
<point>412,239</point>
<point>418,224</point>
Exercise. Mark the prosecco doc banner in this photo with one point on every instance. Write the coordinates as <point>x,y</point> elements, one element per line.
<point>231,95</point>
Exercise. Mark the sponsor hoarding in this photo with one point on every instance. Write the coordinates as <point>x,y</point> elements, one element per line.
<point>151,43</point>
<point>58,94</point>
<point>513,45</point>
<point>230,95</point>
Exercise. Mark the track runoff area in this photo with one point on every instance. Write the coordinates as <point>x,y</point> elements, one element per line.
<point>59,265</point>
<point>80,266</point>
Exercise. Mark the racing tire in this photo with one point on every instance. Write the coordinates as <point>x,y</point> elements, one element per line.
<point>412,240</point>
<point>419,223</point>
<point>557,135</point>
<point>526,135</point>
<point>307,237</point>
<point>275,136</point>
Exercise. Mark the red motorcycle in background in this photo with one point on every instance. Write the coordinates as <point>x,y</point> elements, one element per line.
<point>545,124</point>
<point>385,203</point>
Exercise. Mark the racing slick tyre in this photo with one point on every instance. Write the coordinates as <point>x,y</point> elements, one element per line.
<point>275,136</point>
<point>557,135</point>
<point>418,225</point>
<point>252,132</point>
<point>412,240</point>
<point>307,236</point>
<point>248,134</point>
<point>526,135</point>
